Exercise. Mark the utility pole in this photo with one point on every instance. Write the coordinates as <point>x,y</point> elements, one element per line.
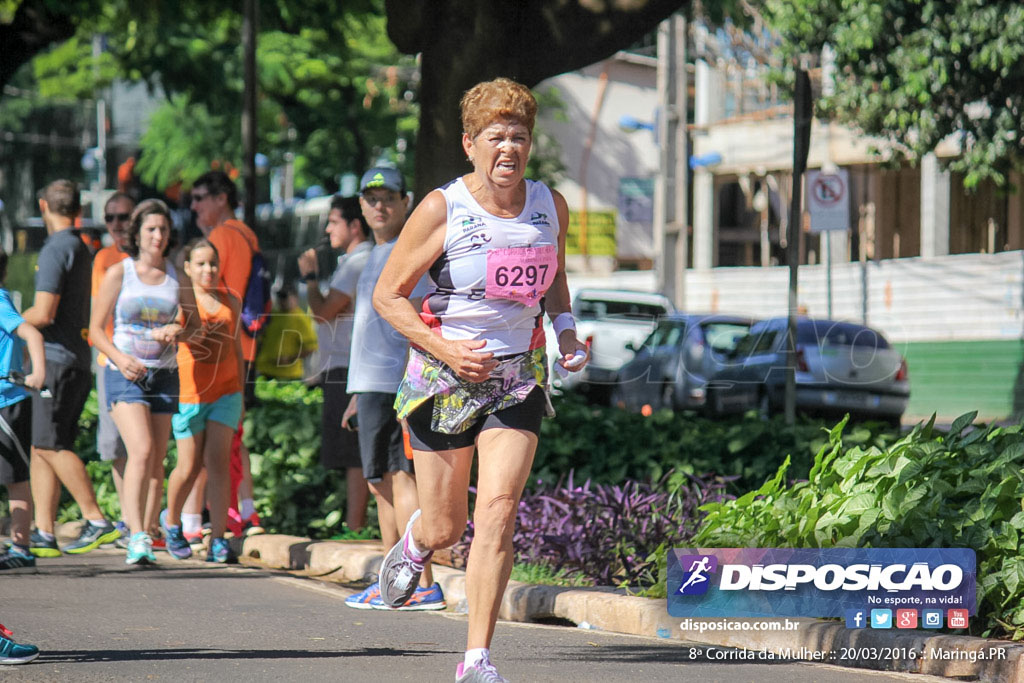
<point>101,123</point>
<point>249,31</point>
<point>802,114</point>
<point>671,231</point>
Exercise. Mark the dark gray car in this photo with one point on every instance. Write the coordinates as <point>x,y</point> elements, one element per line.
<point>841,368</point>
<point>671,368</point>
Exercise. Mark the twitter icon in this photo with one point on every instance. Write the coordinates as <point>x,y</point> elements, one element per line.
<point>881,618</point>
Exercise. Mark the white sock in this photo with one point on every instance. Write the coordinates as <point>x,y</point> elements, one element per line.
<point>46,535</point>
<point>417,552</point>
<point>191,523</point>
<point>248,509</point>
<point>476,655</point>
<point>98,522</point>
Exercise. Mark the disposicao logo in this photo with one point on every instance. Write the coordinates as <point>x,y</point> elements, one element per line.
<point>696,578</point>
<point>816,582</point>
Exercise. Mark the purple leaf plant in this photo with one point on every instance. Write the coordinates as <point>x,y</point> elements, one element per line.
<point>607,533</point>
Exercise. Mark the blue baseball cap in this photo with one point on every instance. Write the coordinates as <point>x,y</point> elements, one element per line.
<point>387,178</point>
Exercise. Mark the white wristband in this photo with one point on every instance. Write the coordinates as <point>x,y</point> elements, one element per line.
<point>563,322</point>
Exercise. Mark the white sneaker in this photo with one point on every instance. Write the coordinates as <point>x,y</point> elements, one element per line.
<point>481,672</point>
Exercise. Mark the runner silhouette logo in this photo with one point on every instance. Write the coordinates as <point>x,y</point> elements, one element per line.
<point>696,573</point>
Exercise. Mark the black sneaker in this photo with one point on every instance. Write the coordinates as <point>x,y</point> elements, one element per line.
<point>40,547</point>
<point>14,559</point>
<point>92,537</point>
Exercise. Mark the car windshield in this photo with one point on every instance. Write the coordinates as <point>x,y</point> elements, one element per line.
<point>722,337</point>
<point>666,333</point>
<point>599,309</point>
<point>831,333</point>
<point>760,340</point>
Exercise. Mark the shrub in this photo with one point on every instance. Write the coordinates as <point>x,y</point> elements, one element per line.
<point>606,534</point>
<point>928,490</point>
<point>294,494</point>
<point>608,445</point>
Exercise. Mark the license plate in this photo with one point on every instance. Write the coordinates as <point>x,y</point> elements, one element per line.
<point>848,398</point>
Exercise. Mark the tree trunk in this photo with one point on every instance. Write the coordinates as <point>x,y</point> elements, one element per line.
<point>463,42</point>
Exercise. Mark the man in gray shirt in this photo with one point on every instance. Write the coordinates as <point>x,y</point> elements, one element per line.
<point>339,448</point>
<point>61,312</point>
<point>376,367</point>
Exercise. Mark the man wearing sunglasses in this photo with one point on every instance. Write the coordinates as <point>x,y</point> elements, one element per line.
<point>117,213</point>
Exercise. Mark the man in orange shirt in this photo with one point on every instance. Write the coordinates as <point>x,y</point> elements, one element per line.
<point>116,214</point>
<point>214,198</point>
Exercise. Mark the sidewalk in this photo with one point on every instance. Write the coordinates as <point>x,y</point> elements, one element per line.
<point>609,609</point>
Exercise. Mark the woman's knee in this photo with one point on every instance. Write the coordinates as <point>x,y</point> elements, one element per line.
<point>442,532</point>
<point>140,454</point>
<point>495,518</point>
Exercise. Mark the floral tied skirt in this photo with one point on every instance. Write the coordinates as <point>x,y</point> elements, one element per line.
<point>458,404</point>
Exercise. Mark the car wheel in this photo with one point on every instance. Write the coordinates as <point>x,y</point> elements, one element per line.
<point>764,406</point>
<point>668,397</point>
<point>618,398</point>
<point>714,406</point>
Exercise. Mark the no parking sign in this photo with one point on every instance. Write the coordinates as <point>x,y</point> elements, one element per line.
<point>828,200</point>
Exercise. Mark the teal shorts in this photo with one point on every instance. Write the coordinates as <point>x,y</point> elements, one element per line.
<point>191,418</point>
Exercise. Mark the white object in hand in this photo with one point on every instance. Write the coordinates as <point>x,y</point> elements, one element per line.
<point>574,363</point>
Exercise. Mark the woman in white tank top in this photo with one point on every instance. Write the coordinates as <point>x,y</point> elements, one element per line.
<point>493,244</point>
<point>141,294</point>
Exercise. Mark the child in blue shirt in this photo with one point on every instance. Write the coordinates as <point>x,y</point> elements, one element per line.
<point>16,420</point>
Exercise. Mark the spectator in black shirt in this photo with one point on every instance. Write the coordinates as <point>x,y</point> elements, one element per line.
<point>61,312</point>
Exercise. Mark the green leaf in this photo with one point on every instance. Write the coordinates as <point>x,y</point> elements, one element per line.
<point>961,423</point>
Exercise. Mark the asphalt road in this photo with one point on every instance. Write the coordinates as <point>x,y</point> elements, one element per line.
<point>96,620</point>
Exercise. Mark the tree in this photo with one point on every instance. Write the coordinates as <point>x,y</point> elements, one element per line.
<point>27,28</point>
<point>463,42</point>
<point>918,71</point>
<point>335,93</point>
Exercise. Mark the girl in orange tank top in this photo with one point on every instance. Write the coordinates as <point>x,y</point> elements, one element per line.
<point>210,404</point>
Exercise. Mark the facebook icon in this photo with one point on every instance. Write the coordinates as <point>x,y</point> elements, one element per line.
<point>856,618</point>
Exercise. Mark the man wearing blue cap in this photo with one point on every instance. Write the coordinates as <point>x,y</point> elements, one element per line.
<point>376,367</point>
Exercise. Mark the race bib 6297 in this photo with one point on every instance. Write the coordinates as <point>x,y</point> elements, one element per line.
<point>521,274</point>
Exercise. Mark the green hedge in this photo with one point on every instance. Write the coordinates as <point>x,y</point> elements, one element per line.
<point>927,490</point>
<point>609,446</point>
<point>295,495</point>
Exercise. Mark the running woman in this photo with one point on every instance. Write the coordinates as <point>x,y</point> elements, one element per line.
<point>493,244</point>
<point>210,367</point>
<point>141,294</point>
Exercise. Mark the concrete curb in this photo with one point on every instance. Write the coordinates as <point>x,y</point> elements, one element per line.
<point>610,609</point>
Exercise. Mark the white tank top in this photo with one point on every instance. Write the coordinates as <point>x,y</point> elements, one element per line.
<point>139,309</point>
<point>457,308</point>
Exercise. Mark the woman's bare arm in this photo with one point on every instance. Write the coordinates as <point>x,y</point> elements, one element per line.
<point>419,246</point>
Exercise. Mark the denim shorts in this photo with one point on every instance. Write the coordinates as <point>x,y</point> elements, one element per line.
<point>158,389</point>
<point>191,418</point>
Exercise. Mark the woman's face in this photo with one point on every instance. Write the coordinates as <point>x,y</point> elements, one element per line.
<point>500,151</point>
<point>154,234</point>
<point>202,266</point>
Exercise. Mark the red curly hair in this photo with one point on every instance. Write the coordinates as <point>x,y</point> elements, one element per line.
<point>501,98</point>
